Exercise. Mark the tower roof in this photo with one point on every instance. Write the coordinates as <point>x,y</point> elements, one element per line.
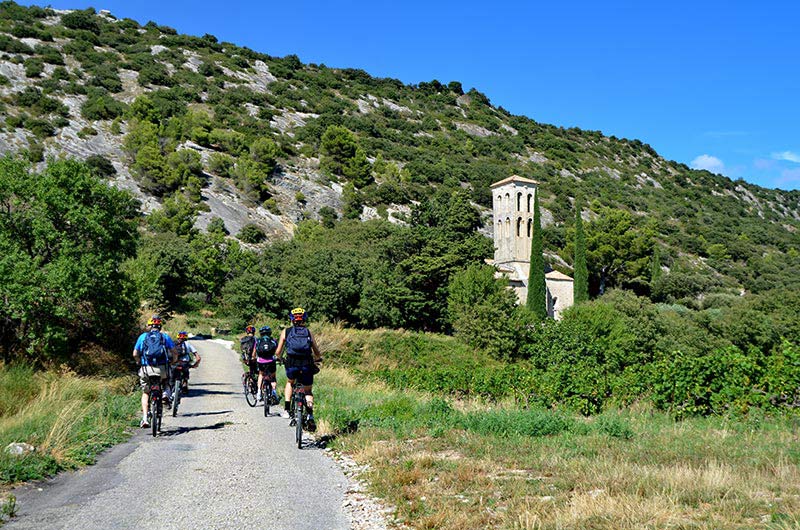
<point>515,178</point>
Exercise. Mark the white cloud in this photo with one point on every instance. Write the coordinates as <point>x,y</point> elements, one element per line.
<point>787,155</point>
<point>711,163</point>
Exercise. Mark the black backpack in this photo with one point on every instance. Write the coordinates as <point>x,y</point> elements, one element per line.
<point>246,343</point>
<point>154,349</point>
<point>298,342</point>
<point>265,347</point>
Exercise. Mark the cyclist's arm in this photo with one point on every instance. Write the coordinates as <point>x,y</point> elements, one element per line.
<point>279,349</point>
<point>315,349</point>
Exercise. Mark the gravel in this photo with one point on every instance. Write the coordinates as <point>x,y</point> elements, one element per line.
<point>219,464</point>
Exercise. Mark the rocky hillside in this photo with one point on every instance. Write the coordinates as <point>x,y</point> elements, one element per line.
<point>255,139</point>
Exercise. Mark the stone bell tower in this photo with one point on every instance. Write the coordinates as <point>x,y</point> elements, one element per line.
<point>512,202</point>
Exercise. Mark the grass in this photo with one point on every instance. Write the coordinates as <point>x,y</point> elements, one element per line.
<point>68,419</point>
<point>460,464</point>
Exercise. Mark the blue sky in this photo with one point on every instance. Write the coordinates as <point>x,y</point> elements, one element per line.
<point>711,84</point>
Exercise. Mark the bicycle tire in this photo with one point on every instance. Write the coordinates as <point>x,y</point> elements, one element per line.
<point>152,414</point>
<point>176,397</point>
<point>160,413</point>
<point>264,386</point>
<point>249,390</point>
<point>298,428</point>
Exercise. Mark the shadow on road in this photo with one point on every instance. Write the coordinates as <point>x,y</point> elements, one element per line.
<point>184,430</point>
<point>209,384</point>
<point>194,391</point>
<point>211,413</point>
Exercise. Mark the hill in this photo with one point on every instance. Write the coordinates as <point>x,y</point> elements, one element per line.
<point>220,130</point>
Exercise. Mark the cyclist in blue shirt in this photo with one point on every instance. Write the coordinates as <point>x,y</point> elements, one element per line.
<point>153,352</point>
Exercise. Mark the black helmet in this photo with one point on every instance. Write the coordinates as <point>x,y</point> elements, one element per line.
<point>265,330</point>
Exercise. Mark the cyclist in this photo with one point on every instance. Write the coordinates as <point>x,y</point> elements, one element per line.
<point>248,347</point>
<point>151,353</point>
<point>300,355</point>
<point>265,358</point>
<point>186,355</point>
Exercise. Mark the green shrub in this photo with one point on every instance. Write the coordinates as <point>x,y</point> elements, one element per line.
<point>101,106</point>
<point>34,67</point>
<point>252,234</point>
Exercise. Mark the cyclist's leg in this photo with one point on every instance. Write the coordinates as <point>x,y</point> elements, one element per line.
<point>260,380</point>
<point>145,392</point>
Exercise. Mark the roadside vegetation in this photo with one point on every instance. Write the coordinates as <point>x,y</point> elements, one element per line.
<point>67,418</point>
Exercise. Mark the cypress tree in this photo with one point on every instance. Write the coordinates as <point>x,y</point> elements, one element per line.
<point>537,289</point>
<point>655,266</point>
<point>581,284</point>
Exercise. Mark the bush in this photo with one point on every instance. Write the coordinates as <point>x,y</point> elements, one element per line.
<point>34,67</point>
<point>81,20</point>
<point>101,106</point>
<point>252,234</point>
<point>101,166</point>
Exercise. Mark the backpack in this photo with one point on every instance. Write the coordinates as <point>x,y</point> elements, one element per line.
<point>154,350</point>
<point>298,342</point>
<point>184,355</point>
<point>265,347</point>
<point>246,343</point>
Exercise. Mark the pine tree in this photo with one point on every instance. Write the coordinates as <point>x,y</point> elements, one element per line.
<point>537,289</point>
<point>581,285</point>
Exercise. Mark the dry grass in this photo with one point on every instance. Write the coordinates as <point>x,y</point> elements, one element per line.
<point>699,473</point>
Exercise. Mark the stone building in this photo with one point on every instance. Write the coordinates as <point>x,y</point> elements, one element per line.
<point>512,206</point>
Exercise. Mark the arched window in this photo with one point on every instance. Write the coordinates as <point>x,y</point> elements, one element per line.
<point>508,201</point>
<point>530,225</point>
<point>508,227</point>
<point>499,201</point>
<point>529,201</point>
<point>519,226</point>
<point>499,228</point>
<point>519,201</point>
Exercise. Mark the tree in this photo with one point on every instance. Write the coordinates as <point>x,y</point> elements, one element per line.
<point>63,236</point>
<point>537,288</point>
<point>177,215</point>
<point>655,267</point>
<point>581,284</point>
<point>338,147</point>
<point>481,310</point>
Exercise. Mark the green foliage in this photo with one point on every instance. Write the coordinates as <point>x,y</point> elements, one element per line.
<point>252,234</point>
<point>101,106</point>
<point>81,20</point>
<point>342,156</point>
<point>581,284</point>
<point>62,239</point>
<point>101,166</point>
<point>252,294</point>
<point>177,215</point>
<point>160,270</point>
<point>217,226</point>
<point>482,310</point>
<point>537,289</point>
<point>34,67</point>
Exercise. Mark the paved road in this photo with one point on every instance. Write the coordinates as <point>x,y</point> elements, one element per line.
<point>219,464</point>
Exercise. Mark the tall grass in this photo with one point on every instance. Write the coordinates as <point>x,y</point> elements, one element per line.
<point>67,418</point>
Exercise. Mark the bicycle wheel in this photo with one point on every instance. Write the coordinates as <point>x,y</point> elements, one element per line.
<point>153,414</point>
<point>298,418</point>
<point>250,391</point>
<point>176,396</point>
<point>160,413</point>
<point>264,386</point>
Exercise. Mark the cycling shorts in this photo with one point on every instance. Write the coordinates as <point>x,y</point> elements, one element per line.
<point>303,374</point>
<point>268,367</point>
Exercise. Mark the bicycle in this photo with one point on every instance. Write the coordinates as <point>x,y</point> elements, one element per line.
<point>180,374</point>
<point>297,411</point>
<point>155,410</point>
<point>249,382</point>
